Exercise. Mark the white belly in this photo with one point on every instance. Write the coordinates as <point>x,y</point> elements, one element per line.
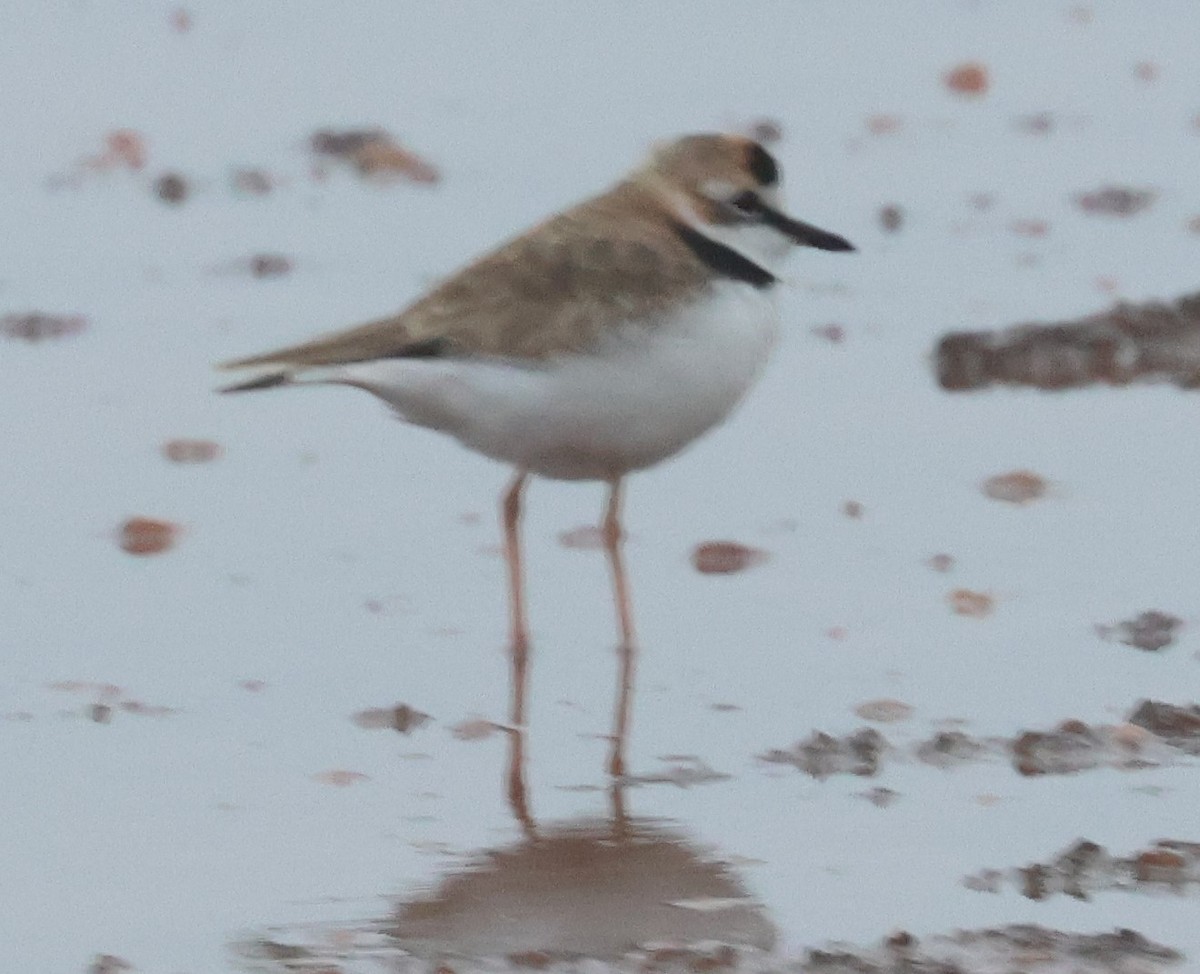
<point>643,395</point>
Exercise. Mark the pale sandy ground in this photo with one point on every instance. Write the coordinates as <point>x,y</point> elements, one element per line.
<point>162,839</point>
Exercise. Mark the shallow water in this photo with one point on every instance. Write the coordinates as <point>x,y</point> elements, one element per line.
<point>188,770</point>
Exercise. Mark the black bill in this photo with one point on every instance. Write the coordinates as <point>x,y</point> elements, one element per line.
<point>804,234</point>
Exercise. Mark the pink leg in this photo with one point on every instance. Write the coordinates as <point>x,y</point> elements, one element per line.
<point>627,649</point>
<point>518,650</point>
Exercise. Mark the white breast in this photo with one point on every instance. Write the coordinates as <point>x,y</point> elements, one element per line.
<point>644,394</point>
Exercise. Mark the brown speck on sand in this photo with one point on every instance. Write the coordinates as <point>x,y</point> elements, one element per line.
<point>969,79</point>
<point>725,557</point>
<point>171,188</point>
<point>965,602</point>
<point>1017,487</point>
<point>148,536</point>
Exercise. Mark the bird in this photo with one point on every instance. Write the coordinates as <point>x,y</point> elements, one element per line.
<point>598,343</point>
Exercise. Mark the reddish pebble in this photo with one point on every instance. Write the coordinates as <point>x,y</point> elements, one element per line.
<point>969,79</point>
<point>148,536</point>
<point>725,557</point>
<point>124,147</point>
<point>965,602</point>
<point>1017,487</point>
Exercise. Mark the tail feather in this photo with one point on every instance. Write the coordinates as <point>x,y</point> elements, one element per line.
<point>268,381</point>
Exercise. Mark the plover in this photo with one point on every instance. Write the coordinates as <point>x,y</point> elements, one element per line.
<point>600,342</point>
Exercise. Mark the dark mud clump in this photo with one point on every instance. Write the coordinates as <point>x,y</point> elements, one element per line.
<point>822,755</point>
<point>1116,201</point>
<point>171,188</point>
<point>37,326</point>
<point>1020,947</point>
<point>1151,631</point>
<point>1086,868</point>
<point>725,557</point>
<point>1178,726</point>
<point>401,717</point>
<point>1152,736</point>
<point>1150,342</point>
<point>374,154</point>
<point>948,748</point>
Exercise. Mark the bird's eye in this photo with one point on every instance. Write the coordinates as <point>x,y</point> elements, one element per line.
<point>746,201</point>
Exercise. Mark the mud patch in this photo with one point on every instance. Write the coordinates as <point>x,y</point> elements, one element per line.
<point>1150,342</point>
<point>38,326</point>
<point>1151,631</point>
<point>1086,868</point>
<point>374,154</point>
<point>822,755</point>
<point>1018,947</point>
<point>1153,736</point>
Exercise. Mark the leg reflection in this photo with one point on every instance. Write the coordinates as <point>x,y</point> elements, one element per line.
<point>627,648</point>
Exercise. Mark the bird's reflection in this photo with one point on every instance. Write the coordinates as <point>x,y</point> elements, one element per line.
<point>596,887</point>
<point>601,887</point>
